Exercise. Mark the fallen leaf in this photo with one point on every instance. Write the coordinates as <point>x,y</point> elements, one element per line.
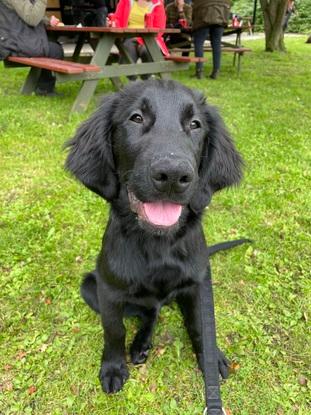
<point>43,347</point>
<point>153,388</point>
<point>234,367</point>
<point>48,301</point>
<point>75,389</point>
<point>7,386</point>
<point>7,367</point>
<point>160,351</point>
<point>32,389</point>
<point>20,355</point>
<point>302,380</point>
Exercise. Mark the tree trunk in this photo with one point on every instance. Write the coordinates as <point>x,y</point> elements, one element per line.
<point>273,14</point>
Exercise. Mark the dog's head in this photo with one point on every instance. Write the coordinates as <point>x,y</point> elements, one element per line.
<point>159,147</point>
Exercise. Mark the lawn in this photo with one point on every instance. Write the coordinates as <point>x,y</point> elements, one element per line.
<point>50,234</point>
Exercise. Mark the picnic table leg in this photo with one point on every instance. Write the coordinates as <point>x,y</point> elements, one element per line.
<point>234,58</point>
<point>79,46</point>
<point>88,88</point>
<point>239,62</point>
<point>238,66</point>
<point>31,81</point>
<point>123,51</point>
<point>155,53</point>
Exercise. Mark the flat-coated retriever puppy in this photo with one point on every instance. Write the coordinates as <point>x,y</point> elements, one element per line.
<point>157,152</point>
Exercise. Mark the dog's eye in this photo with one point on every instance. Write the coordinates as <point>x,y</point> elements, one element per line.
<point>195,124</point>
<point>137,118</point>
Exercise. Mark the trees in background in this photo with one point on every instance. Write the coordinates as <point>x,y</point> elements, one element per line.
<point>273,17</point>
<point>270,15</point>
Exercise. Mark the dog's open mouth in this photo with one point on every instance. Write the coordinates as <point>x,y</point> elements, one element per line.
<point>159,213</point>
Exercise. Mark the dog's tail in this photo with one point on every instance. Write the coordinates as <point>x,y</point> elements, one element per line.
<point>222,246</point>
<point>88,291</point>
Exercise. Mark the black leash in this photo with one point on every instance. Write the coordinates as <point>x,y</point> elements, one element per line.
<point>210,351</point>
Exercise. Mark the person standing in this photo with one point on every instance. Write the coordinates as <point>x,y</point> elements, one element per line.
<point>22,33</point>
<point>289,11</point>
<point>209,18</point>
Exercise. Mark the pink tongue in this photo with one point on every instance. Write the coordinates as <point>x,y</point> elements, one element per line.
<point>162,213</point>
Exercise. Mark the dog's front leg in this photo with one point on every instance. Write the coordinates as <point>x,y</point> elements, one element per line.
<point>189,306</point>
<point>113,372</point>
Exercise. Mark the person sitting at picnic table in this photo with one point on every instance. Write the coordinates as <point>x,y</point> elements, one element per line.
<point>179,16</point>
<point>209,18</point>
<point>90,12</point>
<point>137,14</point>
<point>22,33</point>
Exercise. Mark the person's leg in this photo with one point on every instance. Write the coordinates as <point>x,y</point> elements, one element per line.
<point>286,20</point>
<point>101,15</point>
<point>216,33</point>
<point>46,82</point>
<point>199,37</point>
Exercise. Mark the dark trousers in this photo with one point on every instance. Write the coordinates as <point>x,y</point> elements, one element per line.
<point>214,33</point>
<point>47,80</point>
<point>136,51</point>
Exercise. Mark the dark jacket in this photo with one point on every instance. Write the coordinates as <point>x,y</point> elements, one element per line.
<point>210,12</point>
<point>17,38</point>
<point>172,14</point>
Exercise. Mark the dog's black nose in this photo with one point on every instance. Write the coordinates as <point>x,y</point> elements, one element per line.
<point>169,175</point>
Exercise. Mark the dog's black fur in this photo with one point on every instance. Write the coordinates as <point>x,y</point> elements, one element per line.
<point>153,141</point>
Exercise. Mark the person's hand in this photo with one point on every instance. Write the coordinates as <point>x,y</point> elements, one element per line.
<point>180,5</point>
<point>54,21</point>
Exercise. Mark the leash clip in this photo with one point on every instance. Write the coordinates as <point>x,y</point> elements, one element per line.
<point>223,411</point>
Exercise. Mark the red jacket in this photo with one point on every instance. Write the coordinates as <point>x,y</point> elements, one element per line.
<point>157,19</point>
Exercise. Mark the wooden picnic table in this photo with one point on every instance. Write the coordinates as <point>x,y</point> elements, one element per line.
<point>107,37</point>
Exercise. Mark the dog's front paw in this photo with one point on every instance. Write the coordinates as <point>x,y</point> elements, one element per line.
<point>223,365</point>
<point>112,376</point>
<point>139,352</point>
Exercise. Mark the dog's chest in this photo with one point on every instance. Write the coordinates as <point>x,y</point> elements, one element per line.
<point>153,270</point>
<point>162,284</point>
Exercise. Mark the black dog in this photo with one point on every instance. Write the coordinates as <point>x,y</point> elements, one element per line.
<point>157,152</point>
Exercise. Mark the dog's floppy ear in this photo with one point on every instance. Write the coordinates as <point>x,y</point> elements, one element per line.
<point>221,164</point>
<point>90,157</point>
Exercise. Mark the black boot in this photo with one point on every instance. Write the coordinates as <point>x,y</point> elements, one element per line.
<point>214,74</point>
<point>199,74</point>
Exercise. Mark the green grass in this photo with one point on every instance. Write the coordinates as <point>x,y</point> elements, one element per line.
<point>50,233</point>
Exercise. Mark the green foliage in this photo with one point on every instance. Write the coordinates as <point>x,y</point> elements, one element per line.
<point>300,22</point>
<point>243,7</point>
<point>50,234</point>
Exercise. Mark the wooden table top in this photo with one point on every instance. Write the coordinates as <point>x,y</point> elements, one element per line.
<point>89,29</point>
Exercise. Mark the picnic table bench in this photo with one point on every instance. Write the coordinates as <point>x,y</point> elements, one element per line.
<point>235,48</point>
<point>238,51</point>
